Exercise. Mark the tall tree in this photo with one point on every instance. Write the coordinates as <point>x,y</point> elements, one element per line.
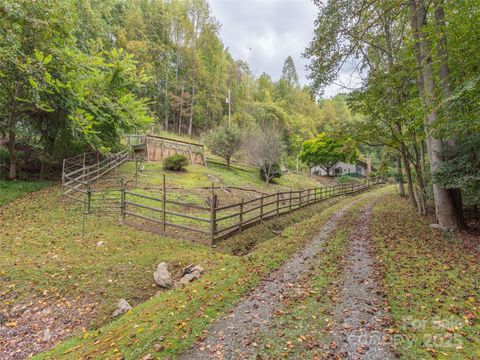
<point>289,72</point>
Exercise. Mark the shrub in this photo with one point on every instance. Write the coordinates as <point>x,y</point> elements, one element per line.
<point>175,162</point>
<point>275,172</point>
<point>344,179</point>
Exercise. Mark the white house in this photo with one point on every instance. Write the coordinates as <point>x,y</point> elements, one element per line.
<point>359,169</point>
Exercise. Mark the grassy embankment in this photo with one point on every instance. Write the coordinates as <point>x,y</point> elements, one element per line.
<point>12,190</point>
<point>180,315</point>
<point>45,260</point>
<point>432,282</point>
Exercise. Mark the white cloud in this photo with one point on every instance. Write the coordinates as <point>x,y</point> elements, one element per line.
<point>265,32</point>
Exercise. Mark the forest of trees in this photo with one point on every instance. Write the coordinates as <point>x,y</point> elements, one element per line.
<point>419,97</point>
<point>78,74</point>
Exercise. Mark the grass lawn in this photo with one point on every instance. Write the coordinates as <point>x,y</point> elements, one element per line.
<point>11,190</point>
<point>195,176</point>
<point>432,283</point>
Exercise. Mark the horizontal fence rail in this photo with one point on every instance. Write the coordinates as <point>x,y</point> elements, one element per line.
<point>80,172</point>
<point>212,222</point>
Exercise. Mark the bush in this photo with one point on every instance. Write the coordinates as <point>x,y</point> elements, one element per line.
<point>275,172</point>
<point>344,179</point>
<point>175,162</point>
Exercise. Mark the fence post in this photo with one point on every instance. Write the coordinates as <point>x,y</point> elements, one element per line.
<point>122,199</point>
<point>315,194</point>
<point>83,178</point>
<point>300,199</point>
<point>261,209</point>
<point>278,202</point>
<point>89,198</point>
<point>290,202</point>
<point>213,218</point>
<point>164,201</point>
<point>63,175</point>
<point>241,216</point>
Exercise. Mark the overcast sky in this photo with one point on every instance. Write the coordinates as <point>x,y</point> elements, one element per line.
<point>265,32</point>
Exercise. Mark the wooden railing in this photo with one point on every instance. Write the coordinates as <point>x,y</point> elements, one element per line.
<point>80,172</point>
<point>214,222</point>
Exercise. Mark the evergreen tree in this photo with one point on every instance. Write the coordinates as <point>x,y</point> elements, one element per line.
<point>289,72</point>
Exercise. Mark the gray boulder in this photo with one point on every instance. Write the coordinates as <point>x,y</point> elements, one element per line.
<point>190,273</point>
<point>162,276</point>
<point>122,307</point>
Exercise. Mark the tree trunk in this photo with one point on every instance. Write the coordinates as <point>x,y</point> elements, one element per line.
<point>12,133</point>
<point>190,123</point>
<point>400,176</point>
<point>421,198</point>
<point>408,176</point>
<point>422,159</point>
<point>165,121</point>
<point>406,166</point>
<point>442,53</point>
<point>181,111</point>
<point>444,206</point>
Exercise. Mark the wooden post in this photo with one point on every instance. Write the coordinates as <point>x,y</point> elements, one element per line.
<point>164,203</point>
<point>300,198</point>
<point>146,149</point>
<point>83,178</point>
<point>213,218</point>
<point>98,163</point>
<point>315,194</point>
<point>290,202</point>
<point>261,209</point>
<point>278,202</point>
<point>122,199</point>
<point>63,175</point>
<point>89,198</point>
<point>241,216</point>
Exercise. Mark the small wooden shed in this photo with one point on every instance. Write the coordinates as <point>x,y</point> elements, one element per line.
<point>157,148</point>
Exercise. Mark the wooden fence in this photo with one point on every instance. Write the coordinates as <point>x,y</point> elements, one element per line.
<point>80,172</point>
<point>213,221</point>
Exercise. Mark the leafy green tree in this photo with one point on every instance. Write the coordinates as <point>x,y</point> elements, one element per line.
<point>326,152</point>
<point>224,141</point>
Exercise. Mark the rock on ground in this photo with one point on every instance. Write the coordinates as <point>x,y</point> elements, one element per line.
<point>122,307</point>
<point>190,273</point>
<point>162,276</point>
